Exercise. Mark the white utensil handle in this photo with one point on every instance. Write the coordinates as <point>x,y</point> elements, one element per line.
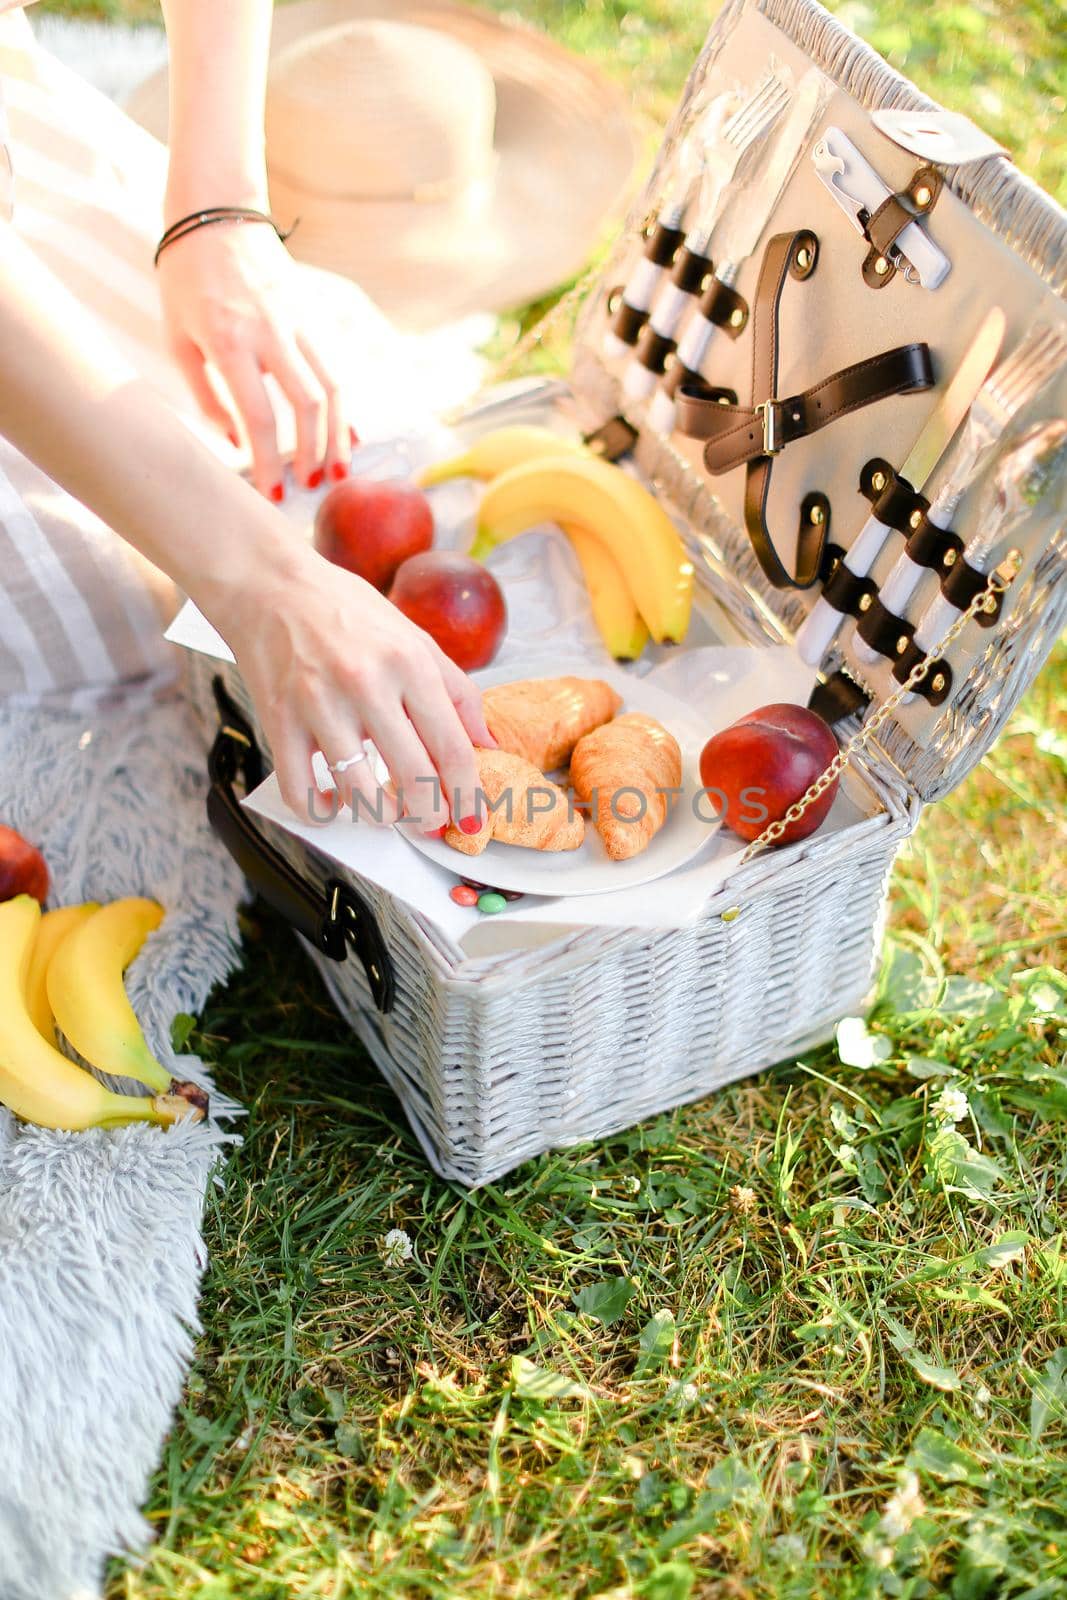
<point>904,579</point>
<point>661,412</point>
<point>693,345</point>
<point>817,632</point>
<point>934,623</point>
<point>638,381</point>
<point>669,309</point>
<point>638,295</point>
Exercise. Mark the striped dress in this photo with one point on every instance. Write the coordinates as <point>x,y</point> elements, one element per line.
<point>81,613</point>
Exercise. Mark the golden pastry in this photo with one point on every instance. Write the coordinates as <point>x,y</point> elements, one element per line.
<point>620,771</point>
<point>524,808</point>
<point>543,718</point>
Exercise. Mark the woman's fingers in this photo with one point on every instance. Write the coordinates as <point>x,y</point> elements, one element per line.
<point>466,696</point>
<point>353,774</point>
<point>437,722</point>
<point>339,434</point>
<point>304,391</point>
<point>194,369</point>
<point>242,376</point>
<point>418,786</point>
<point>292,749</point>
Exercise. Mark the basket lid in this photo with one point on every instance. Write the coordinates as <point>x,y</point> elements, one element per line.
<point>1006,245</point>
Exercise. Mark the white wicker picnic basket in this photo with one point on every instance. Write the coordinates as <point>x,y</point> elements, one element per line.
<point>498,1057</point>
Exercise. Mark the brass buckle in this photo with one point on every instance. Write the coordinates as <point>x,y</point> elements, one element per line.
<point>772,426</point>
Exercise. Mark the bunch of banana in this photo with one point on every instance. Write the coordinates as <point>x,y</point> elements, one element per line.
<point>639,577</point>
<point>67,966</point>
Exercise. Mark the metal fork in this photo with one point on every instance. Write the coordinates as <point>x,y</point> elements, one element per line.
<point>746,128</point>
<point>712,172</point>
<point>1033,363</point>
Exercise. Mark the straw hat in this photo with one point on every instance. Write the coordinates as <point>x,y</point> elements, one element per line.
<point>446,160</point>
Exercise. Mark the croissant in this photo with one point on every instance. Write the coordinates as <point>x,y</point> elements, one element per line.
<point>620,771</point>
<point>543,718</point>
<point>523,808</point>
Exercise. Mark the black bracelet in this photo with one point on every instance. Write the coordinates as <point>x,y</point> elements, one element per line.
<point>211,215</point>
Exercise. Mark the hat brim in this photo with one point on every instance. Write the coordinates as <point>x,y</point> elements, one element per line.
<point>565,155</point>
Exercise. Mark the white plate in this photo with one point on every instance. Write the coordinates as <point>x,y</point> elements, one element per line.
<point>591,870</point>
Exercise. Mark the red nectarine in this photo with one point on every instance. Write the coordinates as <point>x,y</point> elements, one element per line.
<point>457,601</point>
<point>370,528</point>
<point>23,869</point>
<point>763,763</point>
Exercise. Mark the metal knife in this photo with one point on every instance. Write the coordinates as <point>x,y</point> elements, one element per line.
<point>817,632</point>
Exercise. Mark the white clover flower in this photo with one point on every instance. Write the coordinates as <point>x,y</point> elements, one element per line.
<point>791,1548</point>
<point>396,1248</point>
<point>981,1400</point>
<point>632,1183</point>
<point>847,1156</point>
<point>951,1105</point>
<point>683,1394</point>
<point>902,1508</point>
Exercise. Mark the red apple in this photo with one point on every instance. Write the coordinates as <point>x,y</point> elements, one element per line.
<point>457,601</point>
<point>371,528</point>
<point>763,763</point>
<point>22,867</point>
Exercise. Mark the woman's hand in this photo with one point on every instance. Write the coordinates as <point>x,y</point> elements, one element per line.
<point>329,662</point>
<point>231,305</point>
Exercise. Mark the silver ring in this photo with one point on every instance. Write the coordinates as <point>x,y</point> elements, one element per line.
<point>353,761</point>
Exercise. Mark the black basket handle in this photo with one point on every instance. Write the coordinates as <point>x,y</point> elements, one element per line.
<point>335,920</point>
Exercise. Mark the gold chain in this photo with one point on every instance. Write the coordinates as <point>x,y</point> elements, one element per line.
<point>984,600</point>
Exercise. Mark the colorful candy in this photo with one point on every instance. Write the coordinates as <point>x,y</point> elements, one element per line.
<point>464,895</point>
<point>491,903</point>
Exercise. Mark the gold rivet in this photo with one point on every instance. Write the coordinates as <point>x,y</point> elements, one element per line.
<point>865,602</point>
<point>803,259</point>
<point>668,360</point>
<point>878,481</point>
<point>915,520</point>
<point>938,683</point>
<point>724,400</point>
<point>902,644</point>
<point>817,515</point>
<point>923,196</point>
<point>705,280</point>
<point>732,914</point>
<point>737,317</point>
<point>881,266</point>
<point>1014,558</point>
<point>949,558</point>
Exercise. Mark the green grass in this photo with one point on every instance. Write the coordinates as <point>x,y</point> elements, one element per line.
<point>706,1357</point>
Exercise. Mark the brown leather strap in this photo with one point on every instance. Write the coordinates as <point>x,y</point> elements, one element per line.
<point>756,433</point>
<point>884,226</point>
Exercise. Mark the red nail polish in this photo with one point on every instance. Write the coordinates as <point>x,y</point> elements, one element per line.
<point>469,824</point>
<point>316,478</point>
<point>437,833</point>
<point>231,434</point>
<point>353,437</point>
<point>277,494</point>
<point>338,470</point>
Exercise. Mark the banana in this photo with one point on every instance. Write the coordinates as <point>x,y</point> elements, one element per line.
<point>498,452</point>
<point>36,1081</point>
<point>619,622</point>
<point>52,930</point>
<point>617,510</point>
<point>87,997</point>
